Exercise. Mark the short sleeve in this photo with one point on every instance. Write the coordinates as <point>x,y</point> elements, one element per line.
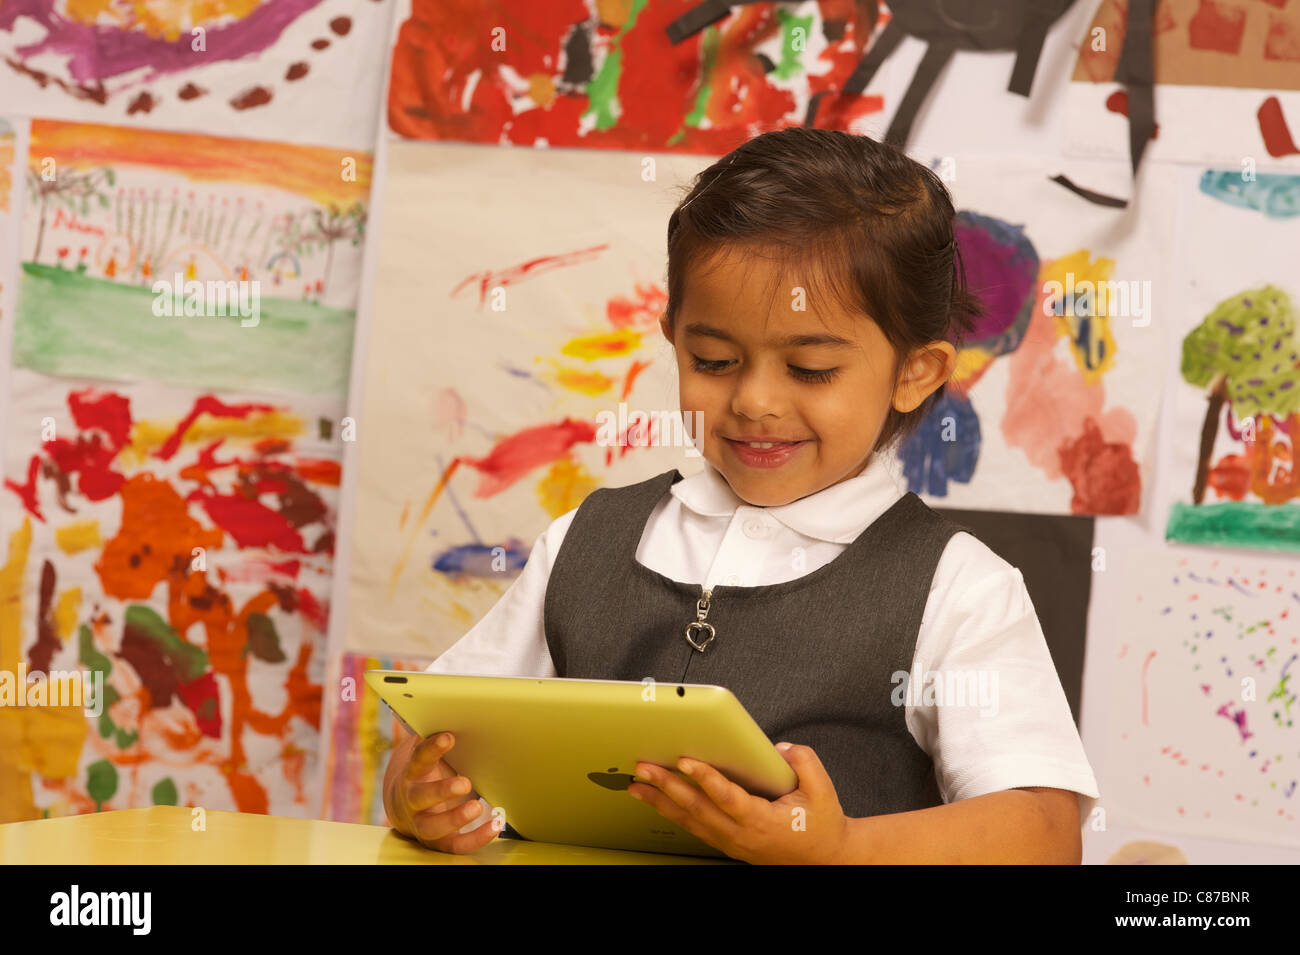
<point>1003,722</point>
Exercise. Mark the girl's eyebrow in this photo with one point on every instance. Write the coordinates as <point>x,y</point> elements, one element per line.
<point>790,341</point>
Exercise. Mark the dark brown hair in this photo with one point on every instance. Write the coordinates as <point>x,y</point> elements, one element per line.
<point>866,224</point>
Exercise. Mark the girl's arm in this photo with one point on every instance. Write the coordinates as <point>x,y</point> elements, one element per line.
<point>1034,825</point>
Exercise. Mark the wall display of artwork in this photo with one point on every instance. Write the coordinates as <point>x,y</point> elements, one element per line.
<point>176,472</point>
<point>172,464</point>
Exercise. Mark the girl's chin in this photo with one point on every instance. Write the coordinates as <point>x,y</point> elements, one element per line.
<point>764,487</point>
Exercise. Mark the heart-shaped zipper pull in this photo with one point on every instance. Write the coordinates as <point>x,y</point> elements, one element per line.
<point>698,633</point>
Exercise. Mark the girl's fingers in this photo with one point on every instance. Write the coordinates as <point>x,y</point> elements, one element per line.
<point>475,839</point>
<point>427,753</point>
<point>662,804</point>
<point>438,794</point>
<point>430,827</point>
<point>813,778</point>
<point>726,795</point>
<point>686,796</point>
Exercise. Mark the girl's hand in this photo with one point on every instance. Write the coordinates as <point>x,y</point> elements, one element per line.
<point>428,802</point>
<point>806,826</point>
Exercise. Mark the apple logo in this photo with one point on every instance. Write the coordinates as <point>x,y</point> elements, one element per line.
<point>611,779</point>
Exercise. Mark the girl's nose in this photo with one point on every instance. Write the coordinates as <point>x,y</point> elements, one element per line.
<point>758,393</point>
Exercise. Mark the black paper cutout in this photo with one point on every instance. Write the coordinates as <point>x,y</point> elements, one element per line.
<point>1136,70</point>
<point>1097,198</point>
<point>1037,20</point>
<point>945,25</point>
<point>697,18</point>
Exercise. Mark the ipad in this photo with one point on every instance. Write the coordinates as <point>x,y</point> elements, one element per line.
<point>555,756</point>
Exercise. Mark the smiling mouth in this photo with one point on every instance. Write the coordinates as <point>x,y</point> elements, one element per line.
<point>765,445</point>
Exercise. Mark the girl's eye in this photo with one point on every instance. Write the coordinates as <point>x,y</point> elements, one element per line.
<point>808,374</point>
<point>701,364</point>
<point>803,374</point>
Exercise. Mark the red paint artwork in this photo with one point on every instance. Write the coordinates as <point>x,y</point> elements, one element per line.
<point>524,73</point>
<point>162,549</point>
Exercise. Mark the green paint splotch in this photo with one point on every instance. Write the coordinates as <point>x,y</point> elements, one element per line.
<point>101,782</point>
<point>98,663</point>
<point>602,91</point>
<point>164,793</point>
<point>1236,524</point>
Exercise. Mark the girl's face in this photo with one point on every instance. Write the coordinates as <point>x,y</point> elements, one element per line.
<point>818,382</point>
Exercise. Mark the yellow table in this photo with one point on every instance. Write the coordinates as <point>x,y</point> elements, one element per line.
<point>163,835</point>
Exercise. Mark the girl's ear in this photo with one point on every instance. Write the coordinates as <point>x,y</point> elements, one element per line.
<point>666,328</point>
<point>925,370</point>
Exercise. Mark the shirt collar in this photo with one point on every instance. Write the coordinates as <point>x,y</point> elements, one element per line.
<point>838,513</point>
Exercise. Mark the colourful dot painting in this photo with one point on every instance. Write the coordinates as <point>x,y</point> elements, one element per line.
<point>1205,731</point>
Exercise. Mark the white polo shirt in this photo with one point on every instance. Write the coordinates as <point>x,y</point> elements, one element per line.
<point>978,618</point>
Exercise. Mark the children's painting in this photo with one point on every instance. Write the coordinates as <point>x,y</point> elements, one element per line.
<point>508,375</point>
<point>192,260</point>
<point>1235,392</point>
<point>173,548</point>
<point>1202,734</point>
<point>362,733</point>
<point>1052,407</point>
<point>1231,66</point>
<point>608,75</point>
<point>306,71</point>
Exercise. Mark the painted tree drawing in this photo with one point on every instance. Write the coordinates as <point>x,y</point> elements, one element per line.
<point>327,228</point>
<point>1244,356</point>
<point>72,189</point>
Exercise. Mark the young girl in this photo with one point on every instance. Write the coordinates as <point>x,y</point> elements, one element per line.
<point>815,295</point>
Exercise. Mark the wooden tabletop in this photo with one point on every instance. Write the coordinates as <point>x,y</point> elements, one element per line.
<point>166,835</point>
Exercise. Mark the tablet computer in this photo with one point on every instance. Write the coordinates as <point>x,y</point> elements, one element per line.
<point>555,756</point>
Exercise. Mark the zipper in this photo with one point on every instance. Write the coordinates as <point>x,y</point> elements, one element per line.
<point>699,632</point>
